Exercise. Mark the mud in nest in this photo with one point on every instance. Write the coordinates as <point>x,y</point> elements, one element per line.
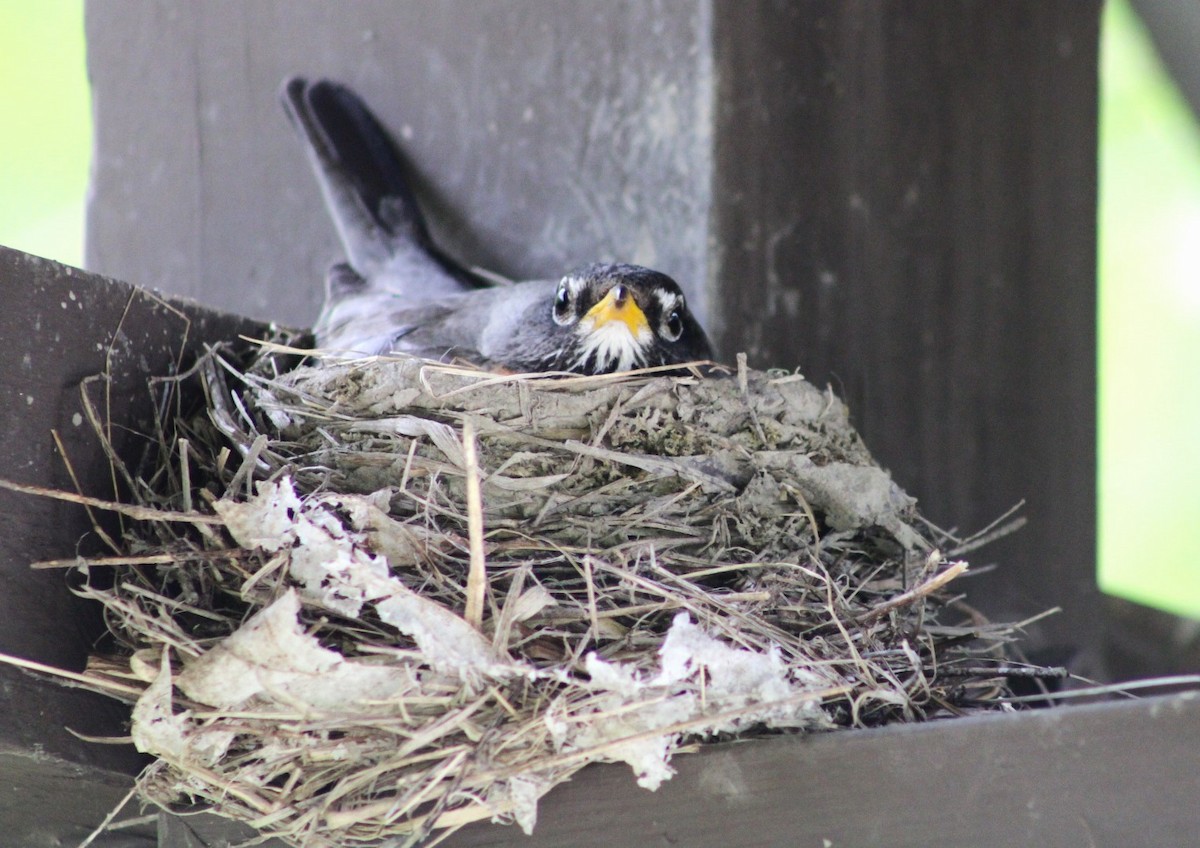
<point>376,600</point>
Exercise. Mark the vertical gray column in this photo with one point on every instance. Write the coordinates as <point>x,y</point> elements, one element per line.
<point>905,207</point>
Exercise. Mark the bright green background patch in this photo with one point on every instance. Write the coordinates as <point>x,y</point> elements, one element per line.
<point>1149,327</point>
<point>45,144</point>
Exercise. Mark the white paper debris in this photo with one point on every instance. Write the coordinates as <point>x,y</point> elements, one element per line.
<point>517,797</point>
<point>271,657</point>
<point>325,557</point>
<point>711,686</point>
<point>157,729</point>
<point>338,570</point>
<point>331,563</point>
<point>264,521</point>
<point>446,641</point>
<point>338,549</point>
<point>403,545</point>
<point>736,676</point>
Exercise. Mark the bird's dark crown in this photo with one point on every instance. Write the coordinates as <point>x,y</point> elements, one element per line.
<point>588,284</point>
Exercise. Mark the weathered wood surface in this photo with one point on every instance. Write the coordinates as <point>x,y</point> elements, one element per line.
<point>59,328</point>
<point>907,210</point>
<point>543,134</point>
<point>1106,775</point>
<point>1091,775</point>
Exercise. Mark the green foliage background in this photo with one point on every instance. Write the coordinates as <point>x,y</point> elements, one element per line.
<point>1149,356</point>
<point>46,140</point>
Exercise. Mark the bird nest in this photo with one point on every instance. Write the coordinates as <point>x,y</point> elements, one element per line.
<point>373,600</point>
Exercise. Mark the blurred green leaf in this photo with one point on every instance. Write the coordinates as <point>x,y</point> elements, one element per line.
<point>1149,357</point>
<point>47,138</point>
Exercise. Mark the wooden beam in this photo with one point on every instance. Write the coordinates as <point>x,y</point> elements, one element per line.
<point>60,327</point>
<point>1108,774</point>
<point>1114,774</point>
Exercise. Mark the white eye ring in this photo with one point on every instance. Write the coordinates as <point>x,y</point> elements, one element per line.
<point>563,310</point>
<point>672,327</point>
<point>672,308</point>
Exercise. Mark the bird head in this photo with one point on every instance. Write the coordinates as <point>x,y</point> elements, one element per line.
<point>623,317</point>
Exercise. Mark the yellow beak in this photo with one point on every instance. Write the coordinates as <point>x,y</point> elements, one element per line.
<point>619,305</point>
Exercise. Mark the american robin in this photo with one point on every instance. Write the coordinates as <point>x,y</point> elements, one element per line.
<point>400,292</point>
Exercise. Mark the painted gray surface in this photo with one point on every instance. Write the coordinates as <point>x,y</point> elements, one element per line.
<point>60,328</point>
<point>1109,776</point>
<point>51,802</point>
<point>545,134</point>
<point>908,196</point>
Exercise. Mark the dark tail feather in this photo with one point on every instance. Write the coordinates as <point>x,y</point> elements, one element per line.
<point>363,178</point>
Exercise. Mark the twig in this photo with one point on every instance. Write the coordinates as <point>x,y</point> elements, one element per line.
<point>103,826</point>
<point>100,531</point>
<point>743,379</point>
<point>105,687</point>
<point>1022,671</point>
<point>170,558</point>
<point>185,475</point>
<point>927,588</point>
<point>1126,688</point>
<point>141,513</point>
<point>477,575</point>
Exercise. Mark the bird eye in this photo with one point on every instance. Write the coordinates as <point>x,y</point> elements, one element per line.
<point>562,304</point>
<point>673,328</point>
